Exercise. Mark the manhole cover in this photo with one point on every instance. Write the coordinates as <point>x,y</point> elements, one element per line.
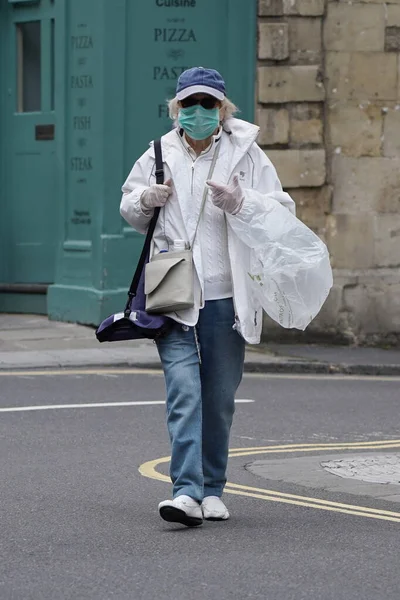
<point>373,468</point>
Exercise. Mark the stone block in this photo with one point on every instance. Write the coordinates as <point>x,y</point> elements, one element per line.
<point>290,84</point>
<point>387,2</point>
<point>365,307</point>
<point>329,314</point>
<point>354,27</point>
<point>361,76</point>
<point>313,206</point>
<point>306,124</point>
<point>392,39</point>
<point>337,75</point>
<point>270,8</point>
<point>304,8</point>
<point>316,200</point>
<point>398,79</point>
<point>358,312</point>
<point>273,41</point>
<point>274,126</point>
<point>305,111</point>
<point>387,302</point>
<point>393,15</point>
<point>356,130</point>
<point>306,132</point>
<point>350,240</point>
<point>391,134</point>
<point>374,76</point>
<point>299,168</point>
<point>305,40</point>
<point>372,304</point>
<point>365,185</point>
<point>387,240</point>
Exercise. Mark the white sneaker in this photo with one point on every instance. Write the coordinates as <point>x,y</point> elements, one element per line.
<point>183,509</point>
<point>214,509</point>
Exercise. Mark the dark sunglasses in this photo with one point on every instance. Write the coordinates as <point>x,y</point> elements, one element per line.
<point>208,103</point>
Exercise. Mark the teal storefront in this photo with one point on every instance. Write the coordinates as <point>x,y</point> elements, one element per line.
<point>83,89</point>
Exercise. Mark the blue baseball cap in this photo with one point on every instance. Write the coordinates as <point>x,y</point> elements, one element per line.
<point>200,80</point>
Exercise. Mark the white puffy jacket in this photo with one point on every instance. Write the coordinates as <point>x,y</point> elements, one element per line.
<point>239,153</point>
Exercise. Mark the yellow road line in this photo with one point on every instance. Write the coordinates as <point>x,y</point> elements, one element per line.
<point>308,504</point>
<point>317,449</point>
<point>280,448</point>
<point>236,486</point>
<point>149,469</point>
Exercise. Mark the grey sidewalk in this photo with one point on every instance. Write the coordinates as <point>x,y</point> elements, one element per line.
<point>34,342</point>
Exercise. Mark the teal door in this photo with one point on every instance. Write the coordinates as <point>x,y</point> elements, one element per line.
<point>29,204</point>
<point>117,63</point>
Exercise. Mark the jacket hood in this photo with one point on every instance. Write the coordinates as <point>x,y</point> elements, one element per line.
<point>243,133</point>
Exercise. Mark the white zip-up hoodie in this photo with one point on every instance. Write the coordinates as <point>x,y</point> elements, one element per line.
<point>238,153</point>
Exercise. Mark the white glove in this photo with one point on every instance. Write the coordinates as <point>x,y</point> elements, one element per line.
<point>155,195</point>
<point>227,197</point>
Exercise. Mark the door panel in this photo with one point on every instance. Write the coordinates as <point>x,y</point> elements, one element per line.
<point>32,207</point>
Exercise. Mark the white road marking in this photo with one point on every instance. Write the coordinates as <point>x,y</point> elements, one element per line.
<point>95,405</point>
<point>156,372</point>
<point>324,377</point>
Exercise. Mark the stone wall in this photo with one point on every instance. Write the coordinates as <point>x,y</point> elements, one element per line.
<point>328,92</point>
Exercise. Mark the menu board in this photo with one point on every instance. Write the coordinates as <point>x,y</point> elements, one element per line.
<point>83,118</point>
<point>172,35</point>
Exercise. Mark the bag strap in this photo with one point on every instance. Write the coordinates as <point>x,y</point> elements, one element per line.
<point>203,202</point>
<point>146,247</point>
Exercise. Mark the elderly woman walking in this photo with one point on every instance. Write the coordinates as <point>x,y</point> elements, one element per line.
<point>213,156</point>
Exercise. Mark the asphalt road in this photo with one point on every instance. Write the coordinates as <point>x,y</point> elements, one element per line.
<point>79,521</point>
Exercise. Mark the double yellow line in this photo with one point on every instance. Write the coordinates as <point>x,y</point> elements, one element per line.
<point>149,469</point>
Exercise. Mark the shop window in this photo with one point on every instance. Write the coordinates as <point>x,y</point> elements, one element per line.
<point>29,67</point>
<point>52,63</point>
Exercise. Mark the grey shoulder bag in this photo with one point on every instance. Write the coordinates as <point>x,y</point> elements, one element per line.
<point>169,276</point>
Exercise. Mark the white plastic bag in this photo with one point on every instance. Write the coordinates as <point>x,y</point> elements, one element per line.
<point>290,273</point>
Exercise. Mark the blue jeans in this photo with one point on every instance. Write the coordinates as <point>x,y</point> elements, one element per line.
<point>201,398</point>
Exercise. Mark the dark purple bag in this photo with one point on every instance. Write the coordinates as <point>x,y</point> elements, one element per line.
<point>134,323</point>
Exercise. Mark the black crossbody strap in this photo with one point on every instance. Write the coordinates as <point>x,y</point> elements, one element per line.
<point>146,247</point>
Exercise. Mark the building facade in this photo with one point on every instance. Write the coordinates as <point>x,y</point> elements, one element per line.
<point>83,90</point>
<point>83,85</point>
<point>329,108</point>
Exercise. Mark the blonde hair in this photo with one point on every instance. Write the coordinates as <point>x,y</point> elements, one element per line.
<point>226,111</point>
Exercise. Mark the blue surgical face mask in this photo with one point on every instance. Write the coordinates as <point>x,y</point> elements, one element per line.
<point>198,122</point>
